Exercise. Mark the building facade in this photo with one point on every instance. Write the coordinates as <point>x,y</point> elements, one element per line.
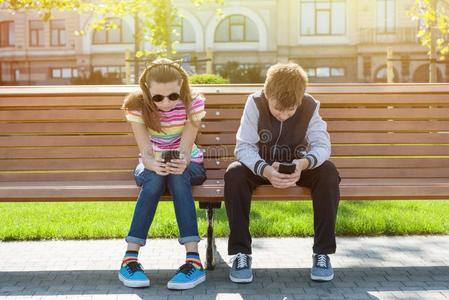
<point>334,40</point>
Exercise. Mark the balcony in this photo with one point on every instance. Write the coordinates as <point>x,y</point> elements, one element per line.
<point>400,35</point>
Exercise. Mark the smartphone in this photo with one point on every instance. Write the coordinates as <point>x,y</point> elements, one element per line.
<point>168,155</point>
<point>287,168</point>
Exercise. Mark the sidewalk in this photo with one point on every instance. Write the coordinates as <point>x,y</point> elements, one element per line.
<point>414,267</point>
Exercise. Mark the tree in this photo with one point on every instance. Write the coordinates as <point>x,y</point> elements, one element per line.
<point>433,30</point>
<point>153,17</point>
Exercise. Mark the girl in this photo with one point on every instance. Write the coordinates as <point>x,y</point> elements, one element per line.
<point>164,116</point>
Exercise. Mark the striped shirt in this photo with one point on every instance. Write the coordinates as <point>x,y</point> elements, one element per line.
<point>172,125</point>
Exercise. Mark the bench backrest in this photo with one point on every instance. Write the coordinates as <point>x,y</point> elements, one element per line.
<point>79,133</point>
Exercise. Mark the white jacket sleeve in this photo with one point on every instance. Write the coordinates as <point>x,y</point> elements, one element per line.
<point>318,139</point>
<point>247,149</point>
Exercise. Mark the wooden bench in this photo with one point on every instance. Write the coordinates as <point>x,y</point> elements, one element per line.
<point>73,144</point>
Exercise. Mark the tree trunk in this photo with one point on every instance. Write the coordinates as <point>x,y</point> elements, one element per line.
<point>136,47</point>
<point>433,45</point>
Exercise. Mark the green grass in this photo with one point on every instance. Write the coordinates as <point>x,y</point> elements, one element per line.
<point>92,220</point>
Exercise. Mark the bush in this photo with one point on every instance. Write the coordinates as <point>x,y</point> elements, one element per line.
<point>236,73</point>
<point>95,77</point>
<point>207,79</point>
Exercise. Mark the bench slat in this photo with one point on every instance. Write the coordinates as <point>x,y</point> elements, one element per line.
<point>70,152</point>
<point>59,141</point>
<point>68,100</point>
<point>65,175</point>
<point>390,150</point>
<point>372,173</point>
<point>337,99</point>
<point>228,113</point>
<point>65,128</point>
<point>389,126</point>
<point>354,150</point>
<point>350,162</point>
<point>61,149</point>
<point>128,191</point>
<point>114,163</point>
<point>385,113</point>
<point>100,127</point>
<point>46,176</point>
<point>349,138</point>
<point>221,139</point>
<point>224,126</point>
<point>101,100</point>
<point>67,164</point>
<point>92,115</point>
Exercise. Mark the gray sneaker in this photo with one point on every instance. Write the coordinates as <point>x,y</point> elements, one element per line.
<point>241,269</point>
<point>322,268</point>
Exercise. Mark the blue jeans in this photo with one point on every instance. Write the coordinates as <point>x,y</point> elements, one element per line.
<point>152,187</point>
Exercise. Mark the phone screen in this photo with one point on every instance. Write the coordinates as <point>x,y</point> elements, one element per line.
<point>169,155</point>
<point>287,168</point>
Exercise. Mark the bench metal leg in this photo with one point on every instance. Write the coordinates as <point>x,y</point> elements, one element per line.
<point>210,247</point>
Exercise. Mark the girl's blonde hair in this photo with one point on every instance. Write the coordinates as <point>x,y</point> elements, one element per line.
<point>161,70</point>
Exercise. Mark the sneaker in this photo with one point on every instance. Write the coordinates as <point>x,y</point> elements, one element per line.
<point>132,275</point>
<point>241,269</point>
<point>322,268</point>
<point>187,277</point>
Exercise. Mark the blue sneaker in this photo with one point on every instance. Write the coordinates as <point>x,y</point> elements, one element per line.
<point>132,275</point>
<point>241,269</point>
<point>322,268</point>
<point>187,277</point>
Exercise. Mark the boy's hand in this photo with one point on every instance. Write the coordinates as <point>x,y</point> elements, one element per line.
<point>301,165</point>
<point>287,180</point>
<point>157,165</point>
<point>278,180</point>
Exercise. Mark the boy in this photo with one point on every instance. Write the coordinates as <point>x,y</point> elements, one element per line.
<point>281,124</point>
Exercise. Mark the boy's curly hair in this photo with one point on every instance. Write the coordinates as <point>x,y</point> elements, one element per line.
<point>285,84</point>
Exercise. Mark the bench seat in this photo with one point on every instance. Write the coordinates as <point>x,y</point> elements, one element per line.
<point>212,190</point>
<point>389,141</point>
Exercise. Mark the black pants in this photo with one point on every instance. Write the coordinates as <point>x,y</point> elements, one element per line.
<point>240,183</point>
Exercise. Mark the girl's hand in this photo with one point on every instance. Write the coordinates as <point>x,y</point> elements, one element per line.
<point>177,166</point>
<point>157,165</point>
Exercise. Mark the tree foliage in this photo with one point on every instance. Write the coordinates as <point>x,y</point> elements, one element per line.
<point>155,17</point>
<point>428,17</point>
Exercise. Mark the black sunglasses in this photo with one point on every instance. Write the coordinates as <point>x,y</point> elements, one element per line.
<point>171,97</point>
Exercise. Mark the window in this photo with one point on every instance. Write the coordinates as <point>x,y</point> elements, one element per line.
<point>386,16</point>
<point>337,72</point>
<point>56,73</point>
<point>236,28</point>
<point>5,72</point>
<point>7,34</point>
<point>37,33</point>
<point>323,17</point>
<point>64,73</point>
<point>116,72</point>
<point>120,35</point>
<point>325,72</point>
<point>381,74</point>
<point>17,74</point>
<point>183,31</point>
<point>57,33</point>
<point>311,72</point>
